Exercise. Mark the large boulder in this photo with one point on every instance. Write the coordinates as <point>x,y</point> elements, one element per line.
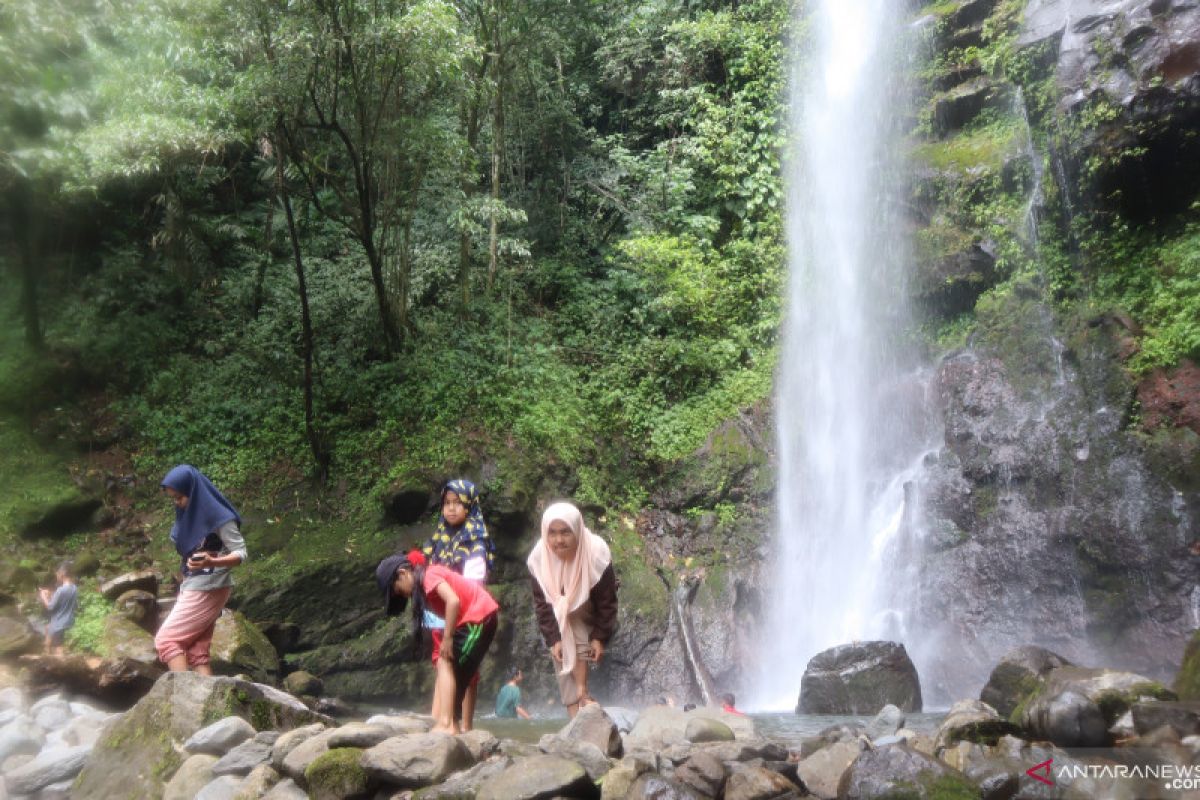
<point>415,760</point>
<point>301,683</point>
<point>973,721</point>
<point>139,607</point>
<point>240,648</point>
<point>823,770</point>
<point>1019,676</point>
<point>124,638</point>
<point>466,784</point>
<point>757,782</point>
<point>71,512</point>
<point>860,678</point>
<point>16,637</point>
<point>145,580</point>
<point>338,775</point>
<point>1068,719</point>
<point>117,681</point>
<point>593,725</point>
<point>898,771</point>
<point>1182,717</point>
<point>141,750</point>
<point>659,726</point>
<point>539,777</point>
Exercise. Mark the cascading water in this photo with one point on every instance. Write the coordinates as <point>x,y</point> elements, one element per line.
<point>851,421</point>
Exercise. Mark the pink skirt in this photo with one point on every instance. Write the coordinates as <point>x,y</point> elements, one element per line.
<point>188,629</point>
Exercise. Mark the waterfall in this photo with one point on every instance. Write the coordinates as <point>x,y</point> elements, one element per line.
<point>851,401</point>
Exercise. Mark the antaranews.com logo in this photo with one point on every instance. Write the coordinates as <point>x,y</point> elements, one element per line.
<point>1167,777</point>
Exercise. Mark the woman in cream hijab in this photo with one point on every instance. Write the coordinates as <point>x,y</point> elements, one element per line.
<point>575,595</point>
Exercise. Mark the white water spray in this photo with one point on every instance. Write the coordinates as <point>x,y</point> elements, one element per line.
<point>851,420</point>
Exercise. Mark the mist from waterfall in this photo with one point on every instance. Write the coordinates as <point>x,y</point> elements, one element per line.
<point>851,398</point>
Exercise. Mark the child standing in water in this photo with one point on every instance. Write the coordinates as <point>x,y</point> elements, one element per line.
<point>209,542</point>
<point>461,542</point>
<point>469,612</point>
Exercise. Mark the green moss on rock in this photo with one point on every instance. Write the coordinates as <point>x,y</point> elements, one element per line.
<point>1187,682</point>
<point>337,774</point>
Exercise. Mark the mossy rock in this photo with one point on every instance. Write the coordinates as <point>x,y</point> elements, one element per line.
<point>124,638</point>
<point>1187,682</point>
<point>1113,704</point>
<point>66,512</point>
<point>239,647</point>
<point>16,637</point>
<point>138,753</point>
<point>338,775</point>
<point>85,565</point>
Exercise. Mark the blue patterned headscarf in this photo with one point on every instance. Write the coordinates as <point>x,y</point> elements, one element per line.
<point>207,509</point>
<point>453,546</point>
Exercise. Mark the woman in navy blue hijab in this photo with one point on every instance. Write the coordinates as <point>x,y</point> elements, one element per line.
<point>207,537</point>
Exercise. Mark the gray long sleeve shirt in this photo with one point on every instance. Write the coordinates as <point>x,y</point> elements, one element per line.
<point>220,577</point>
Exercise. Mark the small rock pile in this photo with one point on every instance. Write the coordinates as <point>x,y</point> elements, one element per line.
<point>44,745</point>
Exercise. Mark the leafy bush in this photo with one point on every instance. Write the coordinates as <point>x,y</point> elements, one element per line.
<point>88,629</point>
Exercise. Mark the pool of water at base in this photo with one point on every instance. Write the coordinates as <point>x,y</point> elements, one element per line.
<point>786,728</point>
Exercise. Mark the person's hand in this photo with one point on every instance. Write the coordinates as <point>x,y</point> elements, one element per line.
<point>597,651</point>
<point>447,651</point>
<point>199,560</point>
<point>556,651</point>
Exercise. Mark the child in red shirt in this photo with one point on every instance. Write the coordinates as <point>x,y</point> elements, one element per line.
<point>466,607</point>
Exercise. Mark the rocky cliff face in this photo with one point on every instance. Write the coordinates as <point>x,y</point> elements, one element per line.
<point>1052,512</point>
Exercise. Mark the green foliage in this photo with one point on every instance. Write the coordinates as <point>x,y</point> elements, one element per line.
<point>88,631</point>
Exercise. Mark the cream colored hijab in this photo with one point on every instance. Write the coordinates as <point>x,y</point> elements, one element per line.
<point>567,584</point>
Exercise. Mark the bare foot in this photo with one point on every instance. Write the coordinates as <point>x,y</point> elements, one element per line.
<point>448,729</point>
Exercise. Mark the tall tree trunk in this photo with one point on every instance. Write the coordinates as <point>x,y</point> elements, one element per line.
<point>497,149</point>
<point>268,237</point>
<point>316,441</point>
<point>392,335</point>
<point>24,224</point>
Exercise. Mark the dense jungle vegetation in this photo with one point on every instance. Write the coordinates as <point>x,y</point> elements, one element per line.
<point>363,241</point>
<point>350,244</point>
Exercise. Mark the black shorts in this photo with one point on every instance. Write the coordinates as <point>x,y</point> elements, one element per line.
<point>471,643</point>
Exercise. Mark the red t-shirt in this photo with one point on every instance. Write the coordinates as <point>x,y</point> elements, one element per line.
<point>475,604</point>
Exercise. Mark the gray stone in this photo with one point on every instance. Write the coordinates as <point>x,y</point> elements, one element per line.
<point>220,737</point>
<point>416,759</point>
<point>480,743</point>
<point>661,788</point>
<point>286,789</point>
<point>822,771</point>
<point>623,718</point>
<point>889,720</point>
<point>702,730</point>
<point>662,726</point>
<point>303,683</point>
<point>20,736</point>
<point>257,783</point>
<point>139,607</point>
<point>751,782</point>
<point>359,734</point>
<point>973,721</point>
<point>1068,719</point>
<point>402,723</point>
<point>50,716</point>
<point>289,741</point>
<point>144,580</point>
<point>859,678</point>
<point>704,772</point>
<point>13,697</point>
<point>243,759</point>
<point>889,771</point>
<point>1021,673</point>
<point>225,787</point>
<point>139,749</point>
<point>464,785</point>
<point>538,777</point>
<point>52,765</point>
<point>305,754</point>
<point>1182,717</point>
<point>84,730</point>
<point>1123,728</point>
<point>584,753</point>
<point>238,647</point>
<point>593,725</point>
<point>192,776</point>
